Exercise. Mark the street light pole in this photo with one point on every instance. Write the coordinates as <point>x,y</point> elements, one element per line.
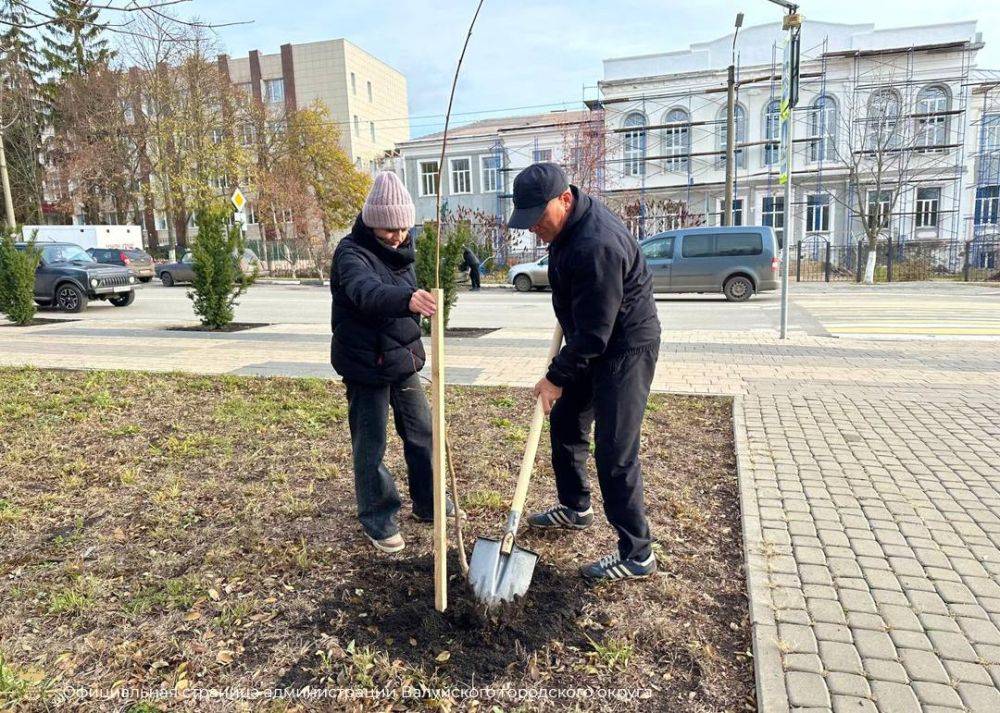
<point>789,98</point>
<point>787,229</point>
<point>727,211</point>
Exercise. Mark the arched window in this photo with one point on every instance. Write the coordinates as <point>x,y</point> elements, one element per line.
<point>740,120</point>
<point>676,140</point>
<point>635,144</point>
<point>883,121</point>
<point>772,132</point>
<point>822,128</point>
<point>933,104</point>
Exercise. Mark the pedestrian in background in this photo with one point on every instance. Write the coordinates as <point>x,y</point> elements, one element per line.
<point>473,264</point>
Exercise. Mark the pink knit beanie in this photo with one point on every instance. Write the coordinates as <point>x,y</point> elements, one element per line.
<point>388,205</point>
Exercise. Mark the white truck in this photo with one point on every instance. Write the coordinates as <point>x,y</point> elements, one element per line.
<point>87,236</point>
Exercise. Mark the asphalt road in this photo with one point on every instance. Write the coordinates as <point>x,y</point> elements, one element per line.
<point>940,310</point>
<point>491,307</point>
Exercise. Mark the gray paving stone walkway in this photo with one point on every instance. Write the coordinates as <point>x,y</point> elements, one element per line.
<point>873,538</point>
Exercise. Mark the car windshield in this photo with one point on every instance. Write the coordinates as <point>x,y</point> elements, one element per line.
<point>136,253</point>
<point>65,253</point>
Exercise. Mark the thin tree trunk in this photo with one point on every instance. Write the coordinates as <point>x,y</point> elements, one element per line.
<point>871,260</point>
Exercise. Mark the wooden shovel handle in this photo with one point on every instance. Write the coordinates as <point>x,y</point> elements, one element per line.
<point>534,433</point>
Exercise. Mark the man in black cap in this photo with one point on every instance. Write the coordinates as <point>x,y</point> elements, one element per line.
<point>603,298</point>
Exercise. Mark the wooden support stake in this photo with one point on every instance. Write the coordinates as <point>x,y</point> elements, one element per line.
<point>438,458</point>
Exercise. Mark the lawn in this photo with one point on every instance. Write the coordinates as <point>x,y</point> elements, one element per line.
<point>175,534</point>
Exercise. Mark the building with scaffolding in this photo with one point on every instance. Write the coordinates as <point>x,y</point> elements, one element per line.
<point>485,156</point>
<point>880,133</point>
<point>982,221</point>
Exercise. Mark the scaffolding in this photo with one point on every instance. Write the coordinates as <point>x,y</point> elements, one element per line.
<point>983,229</point>
<point>673,172</point>
<point>568,141</point>
<point>692,158</point>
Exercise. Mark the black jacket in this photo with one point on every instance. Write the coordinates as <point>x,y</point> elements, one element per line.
<point>470,259</point>
<point>602,290</point>
<point>376,339</point>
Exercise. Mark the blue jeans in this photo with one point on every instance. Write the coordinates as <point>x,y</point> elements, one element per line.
<point>374,486</point>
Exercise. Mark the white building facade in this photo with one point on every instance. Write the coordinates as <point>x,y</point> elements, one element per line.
<point>484,157</point>
<point>666,132</point>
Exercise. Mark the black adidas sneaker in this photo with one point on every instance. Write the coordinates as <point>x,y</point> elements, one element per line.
<point>561,517</point>
<point>614,567</point>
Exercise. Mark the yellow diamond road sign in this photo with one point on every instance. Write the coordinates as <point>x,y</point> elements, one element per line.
<point>238,199</point>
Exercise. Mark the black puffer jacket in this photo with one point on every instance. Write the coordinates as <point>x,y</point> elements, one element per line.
<point>602,290</point>
<point>376,339</point>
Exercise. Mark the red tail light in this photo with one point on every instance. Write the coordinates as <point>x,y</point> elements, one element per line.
<point>124,258</point>
<point>775,264</point>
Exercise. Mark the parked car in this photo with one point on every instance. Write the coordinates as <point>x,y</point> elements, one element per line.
<point>68,277</point>
<point>172,273</point>
<point>530,275</point>
<point>139,262</point>
<point>737,261</point>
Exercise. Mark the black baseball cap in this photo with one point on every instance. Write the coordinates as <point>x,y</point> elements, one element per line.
<point>534,187</point>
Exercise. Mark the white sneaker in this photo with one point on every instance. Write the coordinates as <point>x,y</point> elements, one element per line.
<point>390,545</point>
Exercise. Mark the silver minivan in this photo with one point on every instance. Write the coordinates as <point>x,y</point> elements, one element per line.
<point>737,261</point>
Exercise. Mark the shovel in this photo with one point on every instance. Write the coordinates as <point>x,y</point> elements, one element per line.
<point>500,570</point>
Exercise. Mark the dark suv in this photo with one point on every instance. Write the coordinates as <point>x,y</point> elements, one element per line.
<point>139,262</point>
<point>68,277</point>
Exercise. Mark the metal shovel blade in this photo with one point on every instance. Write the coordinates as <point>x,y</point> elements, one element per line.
<point>497,577</point>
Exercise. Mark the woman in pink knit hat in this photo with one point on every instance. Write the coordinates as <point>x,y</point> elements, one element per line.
<point>376,348</point>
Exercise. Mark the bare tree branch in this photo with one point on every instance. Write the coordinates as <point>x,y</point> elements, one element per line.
<point>37,18</point>
<point>444,144</point>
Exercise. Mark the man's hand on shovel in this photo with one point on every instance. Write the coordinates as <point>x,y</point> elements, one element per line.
<point>548,392</point>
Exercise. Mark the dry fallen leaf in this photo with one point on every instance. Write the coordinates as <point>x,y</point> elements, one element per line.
<point>443,656</point>
<point>33,675</point>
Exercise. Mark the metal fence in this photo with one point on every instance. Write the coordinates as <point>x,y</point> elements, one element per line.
<point>906,261</point>
<point>285,258</point>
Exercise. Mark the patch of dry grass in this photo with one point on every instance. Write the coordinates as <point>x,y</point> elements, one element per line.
<point>167,531</point>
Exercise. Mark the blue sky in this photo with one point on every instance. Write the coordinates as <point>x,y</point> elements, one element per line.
<point>530,56</point>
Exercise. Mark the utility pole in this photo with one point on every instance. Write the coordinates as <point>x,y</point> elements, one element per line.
<point>727,209</point>
<point>789,98</point>
<point>727,213</point>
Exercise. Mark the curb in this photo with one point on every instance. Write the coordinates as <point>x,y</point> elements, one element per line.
<point>326,283</point>
<point>308,281</point>
<point>769,675</point>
